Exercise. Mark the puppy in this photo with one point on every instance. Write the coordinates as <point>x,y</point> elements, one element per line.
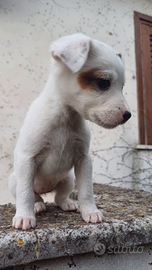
<point>86,81</point>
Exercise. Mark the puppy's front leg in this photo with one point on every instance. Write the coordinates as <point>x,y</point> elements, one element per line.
<point>83,172</point>
<point>25,171</point>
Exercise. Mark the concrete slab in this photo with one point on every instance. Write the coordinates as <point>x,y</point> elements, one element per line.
<point>127,222</point>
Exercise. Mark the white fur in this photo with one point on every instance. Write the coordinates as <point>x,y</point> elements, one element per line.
<point>54,137</point>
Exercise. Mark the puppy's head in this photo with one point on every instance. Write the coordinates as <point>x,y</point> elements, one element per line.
<point>90,78</point>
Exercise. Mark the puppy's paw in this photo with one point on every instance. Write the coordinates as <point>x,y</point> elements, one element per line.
<point>92,216</point>
<point>24,223</point>
<point>39,207</point>
<point>68,205</point>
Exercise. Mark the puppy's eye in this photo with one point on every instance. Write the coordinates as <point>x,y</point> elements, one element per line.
<point>103,83</point>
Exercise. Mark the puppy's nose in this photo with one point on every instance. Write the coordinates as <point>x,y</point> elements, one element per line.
<point>126,116</point>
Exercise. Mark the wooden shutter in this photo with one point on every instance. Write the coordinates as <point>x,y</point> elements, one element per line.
<point>143,45</point>
<point>151,49</point>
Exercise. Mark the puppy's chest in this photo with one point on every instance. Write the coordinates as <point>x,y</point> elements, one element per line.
<point>61,147</point>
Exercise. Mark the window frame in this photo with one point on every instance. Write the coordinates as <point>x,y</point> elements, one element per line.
<point>140,20</point>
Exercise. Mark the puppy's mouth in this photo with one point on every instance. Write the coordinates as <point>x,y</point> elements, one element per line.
<point>110,124</point>
<point>105,125</point>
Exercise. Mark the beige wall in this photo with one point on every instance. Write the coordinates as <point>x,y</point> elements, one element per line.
<point>26,30</point>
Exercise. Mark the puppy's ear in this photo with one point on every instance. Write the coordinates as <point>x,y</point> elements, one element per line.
<point>71,50</point>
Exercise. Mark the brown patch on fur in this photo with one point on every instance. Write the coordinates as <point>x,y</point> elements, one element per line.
<point>86,79</point>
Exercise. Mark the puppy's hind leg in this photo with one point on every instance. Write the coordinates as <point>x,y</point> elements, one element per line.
<point>63,190</point>
<point>39,205</point>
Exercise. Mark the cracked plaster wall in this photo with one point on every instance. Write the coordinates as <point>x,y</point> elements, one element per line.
<point>26,30</point>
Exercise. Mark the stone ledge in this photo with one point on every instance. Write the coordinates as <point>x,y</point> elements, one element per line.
<point>127,222</point>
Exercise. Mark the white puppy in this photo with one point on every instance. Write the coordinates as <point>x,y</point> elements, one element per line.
<point>85,82</point>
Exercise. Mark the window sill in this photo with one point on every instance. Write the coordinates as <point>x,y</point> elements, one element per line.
<point>144,147</point>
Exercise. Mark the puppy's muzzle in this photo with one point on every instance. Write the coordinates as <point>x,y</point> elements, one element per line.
<point>126,116</point>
